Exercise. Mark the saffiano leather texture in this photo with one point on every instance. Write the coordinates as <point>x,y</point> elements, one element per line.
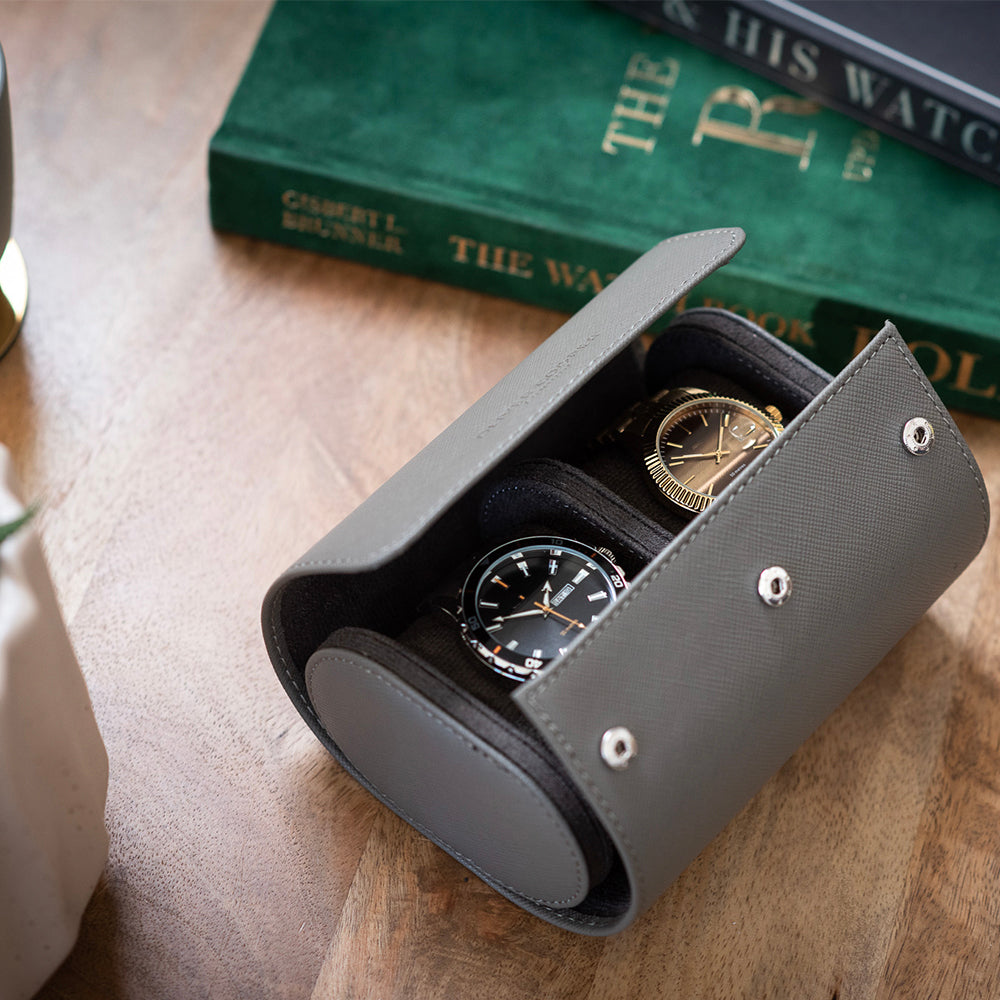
<point>717,687</point>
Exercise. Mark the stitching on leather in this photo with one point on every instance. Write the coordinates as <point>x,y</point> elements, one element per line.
<point>499,449</point>
<point>557,369</point>
<point>564,916</point>
<point>388,646</point>
<point>594,363</point>
<point>550,676</point>
<point>533,793</point>
<point>305,704</point>
<point>620,606</point>
<point>949,423</point>
<point>278,645</point>
<point>569,916</point>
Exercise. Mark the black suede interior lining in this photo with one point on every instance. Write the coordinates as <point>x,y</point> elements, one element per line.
<point>540,497</point>
<point>572,503</point>
<point>727,345</point>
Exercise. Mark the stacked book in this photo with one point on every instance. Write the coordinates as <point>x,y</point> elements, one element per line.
<point>533,150</point>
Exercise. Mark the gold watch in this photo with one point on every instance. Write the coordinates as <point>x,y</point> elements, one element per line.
<point>692,443</point>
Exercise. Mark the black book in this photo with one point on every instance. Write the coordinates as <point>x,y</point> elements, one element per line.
<point>924,72</point>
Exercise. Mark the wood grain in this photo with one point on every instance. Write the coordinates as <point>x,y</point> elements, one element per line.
<point>194,411</point>
<point>946,940</point>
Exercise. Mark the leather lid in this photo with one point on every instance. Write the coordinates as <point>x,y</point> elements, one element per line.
<point>520,402</point>
<point>717,687</point>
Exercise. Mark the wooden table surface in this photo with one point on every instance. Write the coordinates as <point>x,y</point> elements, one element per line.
<point>194,411</point>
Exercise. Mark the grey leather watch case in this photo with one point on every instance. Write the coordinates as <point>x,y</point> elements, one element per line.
<point>710,686</point>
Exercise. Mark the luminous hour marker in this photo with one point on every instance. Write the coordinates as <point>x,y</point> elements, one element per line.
<point>512,645</point>
<point>583,574</point>
<point>523,567</point>
<point>673,444</point>
<point>763,444</point>
<point>488,604</point>
<point>537,654</point>
<point>679,461</point>
<point>708,492</point>
<point>493,628</point>
<point>703,419</point>
<point>597,595</point>
<point>725,421</point>
<point>689,478</point>
<point>553,567</point>
<point>562,650</point>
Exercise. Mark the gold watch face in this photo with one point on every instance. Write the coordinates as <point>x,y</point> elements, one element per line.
<point>703,444</point>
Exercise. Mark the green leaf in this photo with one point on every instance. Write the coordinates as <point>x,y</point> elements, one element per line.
<point>6,530</point>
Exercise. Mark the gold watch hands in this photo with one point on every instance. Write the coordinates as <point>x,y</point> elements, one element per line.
<point>706,454</point>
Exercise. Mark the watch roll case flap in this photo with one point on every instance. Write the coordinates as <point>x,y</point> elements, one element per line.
<point>521,403</point>
<point>717,687</point>
<point>730,686</point>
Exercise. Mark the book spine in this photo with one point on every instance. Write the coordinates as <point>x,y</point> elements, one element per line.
<point>820,63</point>
<point>962,365</point>
<point>375,225</point>
<point>486,252</point>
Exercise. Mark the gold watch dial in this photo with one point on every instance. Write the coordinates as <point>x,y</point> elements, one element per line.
<point>703,444</point>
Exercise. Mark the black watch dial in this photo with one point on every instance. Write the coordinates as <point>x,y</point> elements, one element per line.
<point>526,601</point>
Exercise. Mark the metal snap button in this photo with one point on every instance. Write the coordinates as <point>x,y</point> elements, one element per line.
<point>918,436</point>
<point>774,586</point>
<point>618,747</point>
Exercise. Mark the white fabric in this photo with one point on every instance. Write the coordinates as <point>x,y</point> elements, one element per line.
<point>53,769</point>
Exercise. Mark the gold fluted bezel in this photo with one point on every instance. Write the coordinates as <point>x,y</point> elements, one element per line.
<point>674,490</point>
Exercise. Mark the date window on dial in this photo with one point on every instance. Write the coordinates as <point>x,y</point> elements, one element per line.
<point>742,428</point>
<point>562,595</point>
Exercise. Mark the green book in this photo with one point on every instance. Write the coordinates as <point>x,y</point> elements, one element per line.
<point>533,150</point>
